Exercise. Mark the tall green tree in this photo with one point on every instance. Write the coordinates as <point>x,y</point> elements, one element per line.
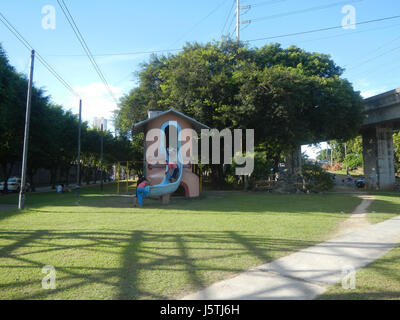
<point>289,96</point>
<point>12,107</point>
<point>53,133</point>
<point>396,144</point>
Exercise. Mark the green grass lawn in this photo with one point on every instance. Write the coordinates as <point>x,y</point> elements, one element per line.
<point>379,280</point>
<point>386,206</point>
<point>103,248</point>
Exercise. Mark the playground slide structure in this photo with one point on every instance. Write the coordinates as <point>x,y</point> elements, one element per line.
<point>155,170</point>
<point>166,186</point>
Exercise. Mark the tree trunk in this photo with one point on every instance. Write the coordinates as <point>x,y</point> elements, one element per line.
<point>220,176</point>
<point>293,160</point>
<point>246,182</point>
<point>31,173</point>
<point>87,175</point>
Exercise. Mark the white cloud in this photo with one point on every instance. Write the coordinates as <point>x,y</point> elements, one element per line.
<point>312,151</point>
<point>370,93</point>
<point>97,101</point>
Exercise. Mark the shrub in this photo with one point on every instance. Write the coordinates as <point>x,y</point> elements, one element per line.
<point>262,166</point>
<point>316,178</point>
<point>353,161</point>
<point>337,166</point>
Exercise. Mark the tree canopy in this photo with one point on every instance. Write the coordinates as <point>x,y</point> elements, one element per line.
<point>53,132</point>
<point>289,96</point>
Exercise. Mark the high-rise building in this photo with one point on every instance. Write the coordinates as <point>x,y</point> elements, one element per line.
<point>97,122</point>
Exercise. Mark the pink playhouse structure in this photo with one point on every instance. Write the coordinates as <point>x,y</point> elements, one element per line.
<point>156,173</point>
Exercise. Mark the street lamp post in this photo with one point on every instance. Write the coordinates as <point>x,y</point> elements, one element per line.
<point>101,159</point>
<point>79,152</point>
<point>21,201</point>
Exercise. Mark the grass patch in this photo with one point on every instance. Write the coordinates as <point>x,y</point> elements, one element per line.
<point>379,280</point>
<point>386,206</point>
<point>103,248</point>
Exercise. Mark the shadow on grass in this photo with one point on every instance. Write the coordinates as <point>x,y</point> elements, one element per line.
<point>385,206</point>
<point>185,254</point>
<point>177,255</point>
<point>189,255</point>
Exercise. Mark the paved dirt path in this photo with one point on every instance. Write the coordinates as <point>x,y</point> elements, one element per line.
<point>307,273</point>
<point>358,219</point>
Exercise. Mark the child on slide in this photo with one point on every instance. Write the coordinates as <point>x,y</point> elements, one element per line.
<point>172,172</point>
<point>141,191</point>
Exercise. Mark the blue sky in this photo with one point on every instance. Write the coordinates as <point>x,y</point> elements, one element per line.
<point>370,52</point>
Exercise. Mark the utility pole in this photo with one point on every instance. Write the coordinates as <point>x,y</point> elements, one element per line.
<point>237,21</point>
<point>79,152</point>
<point>345,155</point>
<point>21,201</point>
<point>101,159</point>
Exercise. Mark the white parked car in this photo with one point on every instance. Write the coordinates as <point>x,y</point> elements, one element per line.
<point>14,184</point>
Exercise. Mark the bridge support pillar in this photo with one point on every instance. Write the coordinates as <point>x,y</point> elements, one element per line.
<point>293,161</point>
<point>378,153</point>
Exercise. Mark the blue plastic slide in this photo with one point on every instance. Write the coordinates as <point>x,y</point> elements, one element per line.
<point>167,187</point>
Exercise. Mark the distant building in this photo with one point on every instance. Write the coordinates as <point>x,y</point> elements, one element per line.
<point>97,122</point>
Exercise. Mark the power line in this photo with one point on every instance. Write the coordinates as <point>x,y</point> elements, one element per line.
<point>379,67</point>
<point>380,47</point>
<point>227,18</point>
<point>279,15</point>
<point>390,83</point>
<point>349,34</point>
<point>374,58</point>
<point>259,4</point>
<point>82,41</point>
<point>85,47</point>
<point>230,25</point>
<point>247,25</point>
<point>322,29</point>
<point>42,60</point>
<point>116,53</point>
<point>232,33</point>
<point>268,38</point>
<point>201,21</point>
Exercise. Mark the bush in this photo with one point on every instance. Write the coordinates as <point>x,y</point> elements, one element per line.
<point>262,166</point>
<point>230,179</point>
<point>337,166</point>
<point>316,178</point>
<point>353,161</point>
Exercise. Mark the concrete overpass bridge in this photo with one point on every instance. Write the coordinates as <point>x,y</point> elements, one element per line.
<point>382,116</point>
